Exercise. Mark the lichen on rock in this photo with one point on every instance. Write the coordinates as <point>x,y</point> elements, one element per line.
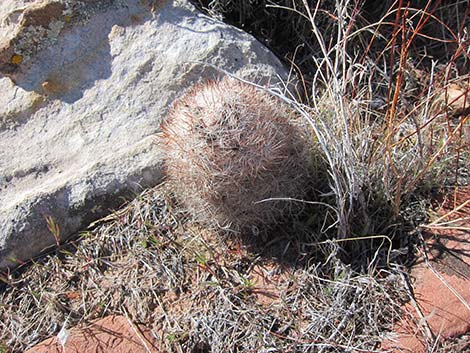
<point>39,26</point>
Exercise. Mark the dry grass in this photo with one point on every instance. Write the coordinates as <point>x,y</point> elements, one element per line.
<point>202,292</point>
<point>382,108</point>
<point>386,94</point>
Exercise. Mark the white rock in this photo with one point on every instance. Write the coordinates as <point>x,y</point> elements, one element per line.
<point>80,106</point>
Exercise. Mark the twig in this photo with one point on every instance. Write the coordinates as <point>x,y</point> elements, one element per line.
<point>422,318</point>
<point>138,333</point>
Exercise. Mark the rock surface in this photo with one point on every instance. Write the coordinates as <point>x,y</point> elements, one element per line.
<point>441,282</point>
<point>112,334</point>
<point>85,85</point>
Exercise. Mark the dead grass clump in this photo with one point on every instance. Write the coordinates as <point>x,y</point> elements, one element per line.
<point>372,110</point>
<point>198,292</point>
<point>230,146</point>
<point>121,267</point>
<point>315,313</point>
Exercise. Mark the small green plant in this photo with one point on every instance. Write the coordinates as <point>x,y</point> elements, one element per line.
<point>247,282</point>
<point>174,337</point>
<point>201,259</point>
<point>151,242</point>
<point>53,228</point>
<point>4,348</point>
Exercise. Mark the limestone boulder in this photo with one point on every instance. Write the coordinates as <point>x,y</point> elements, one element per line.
<point>84,87</point>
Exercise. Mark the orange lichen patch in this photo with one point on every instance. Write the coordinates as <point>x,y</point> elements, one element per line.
<point>6,55</point>
<point>53,86</point>
<point>72,295</point>
<point>16,59</point>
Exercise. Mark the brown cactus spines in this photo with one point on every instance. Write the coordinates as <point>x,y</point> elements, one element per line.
<point>228,146</point>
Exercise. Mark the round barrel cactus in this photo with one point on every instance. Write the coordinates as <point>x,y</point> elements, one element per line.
<point>229,147</point>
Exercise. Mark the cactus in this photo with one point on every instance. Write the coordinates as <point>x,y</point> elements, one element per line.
<point>229,145</point>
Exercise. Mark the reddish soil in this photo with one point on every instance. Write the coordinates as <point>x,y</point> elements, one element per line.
<point>268,283</point>
<point>112,334</point>
<point>441,281</point>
